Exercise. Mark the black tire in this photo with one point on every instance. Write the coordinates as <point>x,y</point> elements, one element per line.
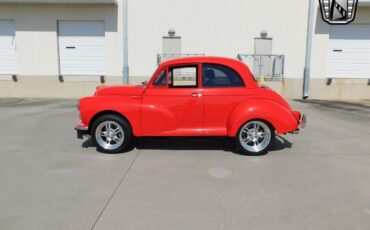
<point>114,119</point>
<point>264,148</point>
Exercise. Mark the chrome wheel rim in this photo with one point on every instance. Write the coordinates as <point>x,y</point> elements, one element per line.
<point>255,136</point>
<point>109,135</point>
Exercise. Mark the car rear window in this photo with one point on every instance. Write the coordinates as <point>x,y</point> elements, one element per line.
<point>215,75</point>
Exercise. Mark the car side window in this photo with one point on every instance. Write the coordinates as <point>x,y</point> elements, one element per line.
<point>183,77</point>
<point>215,75</point>
<point>161,79</point>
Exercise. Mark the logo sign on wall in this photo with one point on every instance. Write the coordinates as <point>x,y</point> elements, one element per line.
<point>338,12</point>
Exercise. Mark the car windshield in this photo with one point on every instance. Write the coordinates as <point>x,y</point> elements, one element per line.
<point>145,82</point>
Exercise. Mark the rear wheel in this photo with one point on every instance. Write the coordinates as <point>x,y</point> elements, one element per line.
<point>255,137</point>
<point>111,134</point>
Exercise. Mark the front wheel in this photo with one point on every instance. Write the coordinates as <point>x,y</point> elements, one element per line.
<point>111,134</point>
<point>255,137</point>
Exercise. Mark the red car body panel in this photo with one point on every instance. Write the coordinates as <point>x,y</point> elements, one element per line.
<point>162,111</point>
<point>126,106</point>
<point>172,113</point>
<point>280,117</point>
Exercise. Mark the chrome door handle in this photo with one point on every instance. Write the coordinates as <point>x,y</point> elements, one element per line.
<point>196,94</point>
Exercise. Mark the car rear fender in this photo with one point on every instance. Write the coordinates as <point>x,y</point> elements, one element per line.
<point>277,115</point>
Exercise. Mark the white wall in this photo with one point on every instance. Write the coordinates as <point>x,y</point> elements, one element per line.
<point>217,27</point>
<point>213,27</point>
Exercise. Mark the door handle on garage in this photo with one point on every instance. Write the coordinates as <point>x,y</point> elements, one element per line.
<point>71,47</point>
<point>196,95</point>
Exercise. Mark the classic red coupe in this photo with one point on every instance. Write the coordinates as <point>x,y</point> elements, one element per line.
<point>194,96</point>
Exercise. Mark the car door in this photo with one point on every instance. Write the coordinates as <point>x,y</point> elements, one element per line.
<point>223,90</point>
<point>173,104</point>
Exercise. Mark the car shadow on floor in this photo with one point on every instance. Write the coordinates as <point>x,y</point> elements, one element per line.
<point>193,143</point>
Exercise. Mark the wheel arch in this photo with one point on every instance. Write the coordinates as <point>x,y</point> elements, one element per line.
<point>280,118</point>
<point>105,112</point>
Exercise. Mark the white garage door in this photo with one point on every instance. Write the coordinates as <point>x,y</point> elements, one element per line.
<point>8,56</point>
<point>82,47</point>
<point>349,51</point>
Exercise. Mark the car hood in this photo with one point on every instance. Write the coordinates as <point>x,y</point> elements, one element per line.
<point>129,90</point>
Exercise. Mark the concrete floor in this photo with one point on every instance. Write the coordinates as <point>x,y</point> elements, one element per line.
<point>319,179</point>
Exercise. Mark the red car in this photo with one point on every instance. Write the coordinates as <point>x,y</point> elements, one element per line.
<point>194,96</point>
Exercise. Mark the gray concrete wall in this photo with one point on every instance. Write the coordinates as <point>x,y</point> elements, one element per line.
<point>340,89</point>
<point>49,86</point>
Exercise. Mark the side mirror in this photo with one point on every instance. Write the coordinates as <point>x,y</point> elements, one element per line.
<point>144,83</point>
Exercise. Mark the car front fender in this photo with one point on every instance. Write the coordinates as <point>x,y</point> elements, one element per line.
<point>280,117</point>
<point>126,106</point>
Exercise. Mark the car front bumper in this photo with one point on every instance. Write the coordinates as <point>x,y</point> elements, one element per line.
<point>81,129</point>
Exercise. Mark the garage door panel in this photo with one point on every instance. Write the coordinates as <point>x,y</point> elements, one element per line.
<point>8,55</point>
<point>82,41</point>
<point>4,68</point>
<point>77,72</point>
<point>75,46</point>
<point>89,64</point>
<point>350,74</point>
<point>73,63</point>
<point>350,47</point>
<point>354,57</point>
<point>352,67</point>
<point>4,63</point>
<point>82,47</point>
<point>349,51</point>
<point>8,40</point>
<point>82,53</point>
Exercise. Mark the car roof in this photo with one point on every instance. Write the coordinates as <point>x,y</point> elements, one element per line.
<point>202,59</point>
<point>235,64</point>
